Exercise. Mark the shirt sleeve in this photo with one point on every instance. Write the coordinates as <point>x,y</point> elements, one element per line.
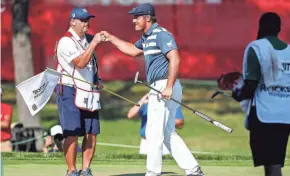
<point>166,42</point>
<point>67,49</point>
<point>179,114</point>
<point>139,44</point>
<point>143,110</point>
<point>252,66</point>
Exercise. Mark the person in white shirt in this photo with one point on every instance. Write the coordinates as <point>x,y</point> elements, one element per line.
<point>78,102</point>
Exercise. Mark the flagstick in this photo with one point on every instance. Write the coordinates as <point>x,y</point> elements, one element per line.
<point>136,104</point>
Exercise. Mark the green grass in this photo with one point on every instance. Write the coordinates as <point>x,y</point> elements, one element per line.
<point>197,133</point>
<point>132,169</point>
<point>119,155</point>
<point>126,164</point>
<point>231,154</point>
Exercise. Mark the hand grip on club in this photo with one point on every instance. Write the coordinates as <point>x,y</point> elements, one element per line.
<point>205,117</point>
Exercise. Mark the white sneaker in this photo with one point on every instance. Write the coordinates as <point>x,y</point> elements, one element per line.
<point>149,173</point>
<point>198,172</point>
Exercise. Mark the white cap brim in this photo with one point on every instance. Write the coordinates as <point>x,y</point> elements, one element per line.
<point>55,130</point>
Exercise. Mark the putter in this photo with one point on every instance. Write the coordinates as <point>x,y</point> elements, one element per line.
<point>203,116</point>
<point>216,93</point>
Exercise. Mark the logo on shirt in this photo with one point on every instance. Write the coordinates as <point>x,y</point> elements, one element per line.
<point>71,53</point>
<point>286,67</point>
<point>170,44</point>
<point>277,91</point>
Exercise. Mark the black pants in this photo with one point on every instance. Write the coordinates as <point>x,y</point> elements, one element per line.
<point>268,141</point>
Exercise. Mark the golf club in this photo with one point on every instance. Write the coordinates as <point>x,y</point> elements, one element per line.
<point>104,89</point>
<point>216,93</point>
<point>203,116</point>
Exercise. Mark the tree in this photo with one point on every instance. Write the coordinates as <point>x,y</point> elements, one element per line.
<point>22,56</point>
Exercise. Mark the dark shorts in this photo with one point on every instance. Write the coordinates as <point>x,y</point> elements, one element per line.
<point>268,141</point>
<point>75,122</point>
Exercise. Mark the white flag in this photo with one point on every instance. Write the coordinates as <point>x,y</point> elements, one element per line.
<point>37,90</point>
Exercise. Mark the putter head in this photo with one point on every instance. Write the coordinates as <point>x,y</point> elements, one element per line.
<point>136,77</point>
<point>215,94</point>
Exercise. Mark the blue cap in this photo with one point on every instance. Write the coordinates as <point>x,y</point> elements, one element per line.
<point>80,13</point>
<point>143,9</point>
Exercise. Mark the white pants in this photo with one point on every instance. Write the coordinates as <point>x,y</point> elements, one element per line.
<point>144,148</point>
<point>161,129</point>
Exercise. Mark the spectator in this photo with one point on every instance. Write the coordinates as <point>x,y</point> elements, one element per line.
<point>142,112</point>
<point>54,140</point>
<point>6,116</point>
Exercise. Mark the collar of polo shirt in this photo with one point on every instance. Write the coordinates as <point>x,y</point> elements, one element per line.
<point>151,29</point>
<point>75,35</point>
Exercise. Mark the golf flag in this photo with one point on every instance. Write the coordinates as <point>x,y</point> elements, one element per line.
<point>37,90</point>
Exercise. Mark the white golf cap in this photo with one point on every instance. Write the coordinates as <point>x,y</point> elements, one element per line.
<point>55,130</point>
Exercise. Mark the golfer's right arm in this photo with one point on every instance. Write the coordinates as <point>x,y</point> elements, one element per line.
<point>126,47</point>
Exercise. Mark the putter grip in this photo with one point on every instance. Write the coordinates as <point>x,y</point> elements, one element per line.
<point>227,129</point>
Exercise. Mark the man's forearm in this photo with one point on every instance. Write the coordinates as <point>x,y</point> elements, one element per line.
<point>86,56</point>
<point>173,71</point>
<point>123,46</point>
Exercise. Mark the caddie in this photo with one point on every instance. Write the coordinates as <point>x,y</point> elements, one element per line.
<point>266,74</point>
<point>78,102</point>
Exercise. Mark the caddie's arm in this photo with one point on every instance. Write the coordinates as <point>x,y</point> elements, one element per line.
<point>83,59</point>
<point>67,49</point>
<point>252,77</point>
<point>124,46</point>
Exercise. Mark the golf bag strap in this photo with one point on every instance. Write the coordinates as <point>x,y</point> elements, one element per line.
<point>67,34</point>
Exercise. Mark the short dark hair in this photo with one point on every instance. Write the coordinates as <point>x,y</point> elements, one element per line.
<point>269,25</point>
<point>154,19</point>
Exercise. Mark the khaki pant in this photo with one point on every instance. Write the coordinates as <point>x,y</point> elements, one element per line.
<point>6,146</point>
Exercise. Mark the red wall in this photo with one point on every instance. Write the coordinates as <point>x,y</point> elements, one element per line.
<point>211,38</point>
